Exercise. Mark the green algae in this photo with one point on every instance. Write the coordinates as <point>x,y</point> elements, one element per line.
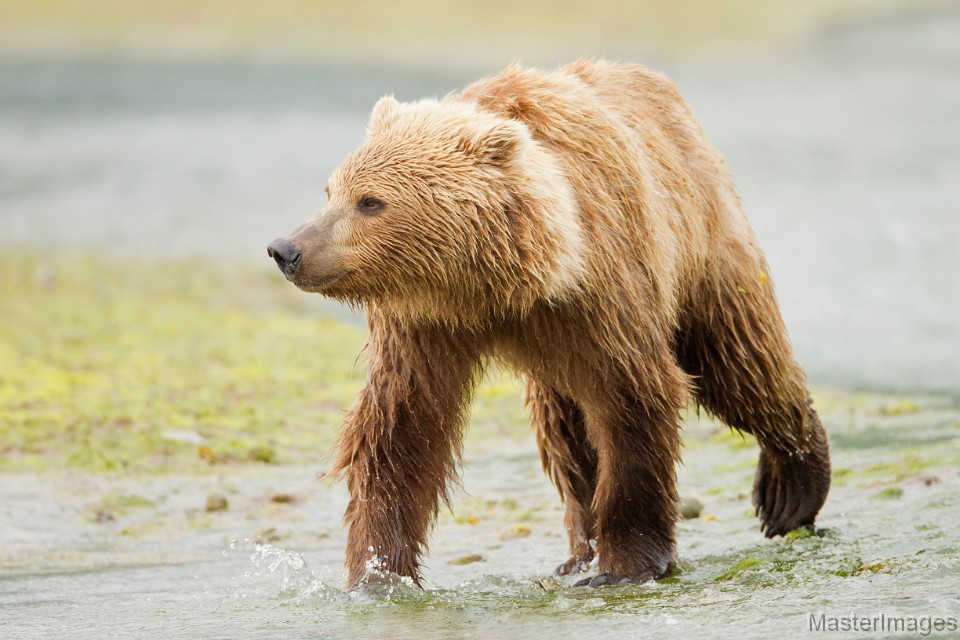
<point>890,493</point>
<point>112,365</point>
<point>104,358</point>
<point>747,564</point>
<point>800,534</point>
<point>124,503</point>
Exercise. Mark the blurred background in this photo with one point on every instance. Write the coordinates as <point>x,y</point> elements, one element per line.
<point>178,129</point>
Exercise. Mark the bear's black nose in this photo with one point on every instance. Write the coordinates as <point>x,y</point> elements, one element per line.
<point>286,255</point>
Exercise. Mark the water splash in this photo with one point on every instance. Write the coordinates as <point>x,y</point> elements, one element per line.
<point>296,579</point>
<point>378,583</point>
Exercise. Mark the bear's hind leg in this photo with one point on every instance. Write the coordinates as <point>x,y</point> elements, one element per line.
<point>734,343</point>
<point>570,462</point>
<point>635,429</point>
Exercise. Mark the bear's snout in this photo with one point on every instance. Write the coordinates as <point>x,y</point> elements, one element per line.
<point>285,254</point>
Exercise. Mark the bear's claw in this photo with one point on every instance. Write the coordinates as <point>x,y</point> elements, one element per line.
<point>577,563</point>
<point>605,579</point>
<point>789,490</point>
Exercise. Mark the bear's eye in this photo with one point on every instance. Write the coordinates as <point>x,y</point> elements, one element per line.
<point>370,205</point>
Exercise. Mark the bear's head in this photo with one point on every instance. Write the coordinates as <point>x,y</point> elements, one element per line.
<point>444,211</point>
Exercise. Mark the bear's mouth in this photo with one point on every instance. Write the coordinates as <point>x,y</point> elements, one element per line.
<point>317,285</point>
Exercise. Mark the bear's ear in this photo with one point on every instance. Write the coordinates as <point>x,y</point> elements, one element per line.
<point>497,145</point>
<point>386,108</point>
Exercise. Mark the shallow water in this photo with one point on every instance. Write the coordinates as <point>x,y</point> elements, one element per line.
<point>889,546</point>
<point>844,148</point>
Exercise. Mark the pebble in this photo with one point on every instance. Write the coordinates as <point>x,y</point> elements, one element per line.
<point>216,502</point>
<point>470,558</point>
<point>690,508</point>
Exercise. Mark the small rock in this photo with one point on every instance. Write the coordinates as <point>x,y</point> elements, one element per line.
<point>516,531</point>
<point>690,508</point>
<point>550,584</point>
<point>216,502</point>
<point>261,454</point>
<point>470,558</point>
<point>283,498</point>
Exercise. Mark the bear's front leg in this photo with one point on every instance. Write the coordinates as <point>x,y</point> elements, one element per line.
<point>401,442</point>
<point>637,437</point>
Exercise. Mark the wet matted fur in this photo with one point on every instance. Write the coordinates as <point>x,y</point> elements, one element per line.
<point>576,226</point>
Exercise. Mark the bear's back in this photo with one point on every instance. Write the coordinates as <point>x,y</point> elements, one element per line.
<point>638,161</point>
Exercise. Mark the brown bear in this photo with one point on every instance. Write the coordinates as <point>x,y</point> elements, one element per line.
<point>576,226</point>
